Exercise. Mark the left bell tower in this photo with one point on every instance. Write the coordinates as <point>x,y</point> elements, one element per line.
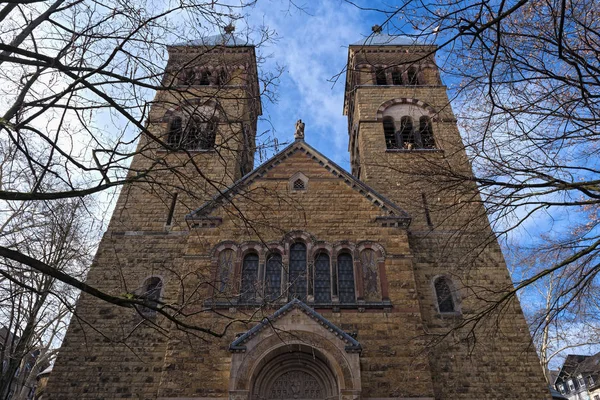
<point>201,134</point>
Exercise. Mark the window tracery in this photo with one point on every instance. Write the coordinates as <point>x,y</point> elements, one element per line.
<point>297,272</point>
<point>248,290</point>
<point>346,278</point>
<point>322,278</point>
<point>273,277</point>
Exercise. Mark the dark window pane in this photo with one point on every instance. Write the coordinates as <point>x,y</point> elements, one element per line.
<point>389,131</point>
<point>444,295</point>
<point>396,77</point>
<point>346,278</point>
<point>249,277</point>
<point>297,275</point>
<point>322,279</point>
<point>426,131</point>
<point>273,277</point>
<point>204,78</point>
<point>175,131</point>
<point>225,270</point>
<point>380,77</point>
<point>413,78</point>
<point>406,132</point>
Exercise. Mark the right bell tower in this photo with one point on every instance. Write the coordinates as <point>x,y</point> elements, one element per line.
<point>404,143</point>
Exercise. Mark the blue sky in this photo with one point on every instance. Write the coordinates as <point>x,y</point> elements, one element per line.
<point>312,45</point>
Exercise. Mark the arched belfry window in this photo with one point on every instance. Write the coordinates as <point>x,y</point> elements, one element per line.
<point>273,271</point>
<point>346,278</point>
<point>444,295</point>
<point>389,131</point>
<point>406,132</point>
<point>297,272</point>
<point>396,77</point>
<point>175,132</point>
<point>248,290</point>
<point>322,278</point>
<point>413,76</point>
<point>426,132</point>
<point>380,76</point>
<point>199,134</point>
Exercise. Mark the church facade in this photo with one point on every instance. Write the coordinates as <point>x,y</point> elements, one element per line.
<point>298,279</point>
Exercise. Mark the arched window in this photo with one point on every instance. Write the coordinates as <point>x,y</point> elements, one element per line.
<point>187,76</point>
<point>370,275</point>
<point>225,271</point>
<point>380,77</point>
<point>322,278</point>
<point>297,272</point>
<point>200,135</point>
<point>175,132</point>
<point>426,132</point>
<point>299,184</point>
<point>249,277</point>
<point>346,278</point>
<point>223,77</point>
<point>396,77</point>
<point>389,132</point>
<point>406,132</point>
<point>273,276</point>
<point>151,290</point>
<point>444,295</point>
<point>204,78</point>
<point>413,76</point>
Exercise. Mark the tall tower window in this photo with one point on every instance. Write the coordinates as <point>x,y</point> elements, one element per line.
<point>223,77</point>
<point>175,132</point>
<point>413,76</point>
<point>389,131</point>
<point>204,78</point>
<point>346,278</point>
<point>249,277</point>
<point>273,277</point>
<point>406,132</point>
<point>322,278</point>
<point>426,132</point>
<point>199,134</point>
<point>380,77</point>
<point>297,272</point>
<point>396,77</point>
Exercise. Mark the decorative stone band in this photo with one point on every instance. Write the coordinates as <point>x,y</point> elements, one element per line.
<point>393,222</point>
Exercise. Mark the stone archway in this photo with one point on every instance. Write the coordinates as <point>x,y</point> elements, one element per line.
<point>294,375</point>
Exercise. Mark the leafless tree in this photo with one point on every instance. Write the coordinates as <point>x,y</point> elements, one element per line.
<point>78,79</point>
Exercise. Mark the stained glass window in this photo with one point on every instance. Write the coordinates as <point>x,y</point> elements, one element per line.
<point>273,277</point>
<point>322,279</point>
<point>444,295</point>
<point>297,274</point>
<point>346,278</point>
<point>249,277</point>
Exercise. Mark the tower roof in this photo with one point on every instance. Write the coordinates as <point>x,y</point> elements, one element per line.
<point>222,39</point>
<point>381,39</point>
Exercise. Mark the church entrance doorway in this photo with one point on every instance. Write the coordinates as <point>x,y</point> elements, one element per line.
<point>295,375</point>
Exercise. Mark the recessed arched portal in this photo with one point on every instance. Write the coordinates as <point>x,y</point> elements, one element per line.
<point>297,372</point>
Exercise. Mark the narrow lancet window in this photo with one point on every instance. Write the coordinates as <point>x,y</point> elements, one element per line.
<point>249,278</point>
<point>389,131</point>
<point>297,272</point>
<point>346,278</point>
<point>322,278</point>
<point>273,277</point>
<point>443,292</point>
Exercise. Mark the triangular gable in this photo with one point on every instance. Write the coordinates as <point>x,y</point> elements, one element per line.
<point>391,211</point>
<point>351,344</point>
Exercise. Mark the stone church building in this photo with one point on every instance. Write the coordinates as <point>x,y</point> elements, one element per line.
<point>298,279</point>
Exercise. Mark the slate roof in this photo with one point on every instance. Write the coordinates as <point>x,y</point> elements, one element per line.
<point>381,39</point>
<point>390,209</point>
<point>352,345</point>
<point>223,39</point>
